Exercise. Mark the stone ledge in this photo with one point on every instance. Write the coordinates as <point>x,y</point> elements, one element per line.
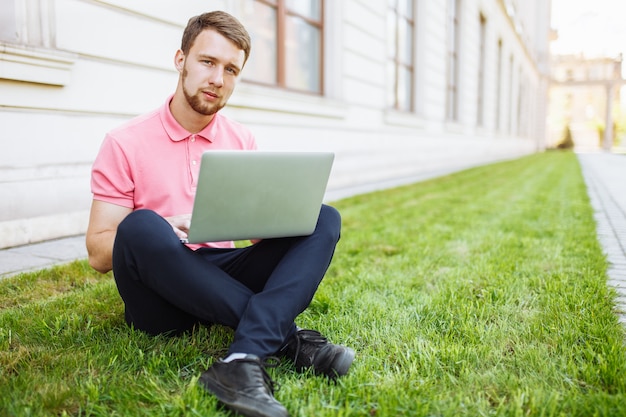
<point>36,65</point>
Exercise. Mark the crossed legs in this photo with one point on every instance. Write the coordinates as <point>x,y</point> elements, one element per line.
<point>258,290</point>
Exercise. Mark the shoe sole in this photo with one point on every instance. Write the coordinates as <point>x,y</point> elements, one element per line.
<point>226,397</point>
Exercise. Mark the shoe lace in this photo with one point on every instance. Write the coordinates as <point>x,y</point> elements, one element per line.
<point>264,364</point>
<point>304,337</point>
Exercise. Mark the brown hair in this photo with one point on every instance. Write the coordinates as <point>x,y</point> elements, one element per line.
<point>223,23</point>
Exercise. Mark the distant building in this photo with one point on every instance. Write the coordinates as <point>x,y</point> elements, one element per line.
<point>432,84</point>
<point>585,96</point>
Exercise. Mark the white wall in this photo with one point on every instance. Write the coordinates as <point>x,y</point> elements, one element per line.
<point>105,61</point>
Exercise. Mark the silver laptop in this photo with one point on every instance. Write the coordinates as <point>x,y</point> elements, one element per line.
<point>258,194</point>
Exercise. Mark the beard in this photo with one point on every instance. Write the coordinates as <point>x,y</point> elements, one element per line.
<point>196,103</point>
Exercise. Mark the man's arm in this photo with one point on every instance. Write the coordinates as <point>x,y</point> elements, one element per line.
<point>103,221</point>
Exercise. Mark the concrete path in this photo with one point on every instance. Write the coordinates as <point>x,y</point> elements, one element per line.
<point>41,255</point>
<point>605,176</point>
<point>604,173</point>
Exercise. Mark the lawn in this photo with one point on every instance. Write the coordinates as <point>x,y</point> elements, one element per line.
<point>478,293</point>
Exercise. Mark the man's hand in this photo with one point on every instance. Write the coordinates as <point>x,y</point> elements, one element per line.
<point>180,225</point>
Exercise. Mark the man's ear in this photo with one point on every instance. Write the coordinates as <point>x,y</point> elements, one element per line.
<point>179,61</point>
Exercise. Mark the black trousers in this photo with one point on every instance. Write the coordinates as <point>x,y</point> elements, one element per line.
<point>258,290</point>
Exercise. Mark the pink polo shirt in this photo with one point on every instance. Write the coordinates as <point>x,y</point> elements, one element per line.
<point>151,162</point>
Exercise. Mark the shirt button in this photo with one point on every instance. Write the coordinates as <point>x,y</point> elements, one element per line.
<point>193,162</point>
<point>193,138</point>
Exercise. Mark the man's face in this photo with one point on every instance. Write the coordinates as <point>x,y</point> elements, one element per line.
<point>210,71</point>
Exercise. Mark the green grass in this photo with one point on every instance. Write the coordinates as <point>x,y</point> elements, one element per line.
<point>481,293</point>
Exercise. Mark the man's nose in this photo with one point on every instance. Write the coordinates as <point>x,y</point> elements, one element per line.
<point>217,76</point>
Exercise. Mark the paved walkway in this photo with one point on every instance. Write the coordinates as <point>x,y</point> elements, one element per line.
<point>604,173</point>
<point>41,255</point>
<point>605,176</point>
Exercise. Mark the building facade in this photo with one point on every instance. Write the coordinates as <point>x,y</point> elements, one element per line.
<point>585,98</point>
<point>430,84</point>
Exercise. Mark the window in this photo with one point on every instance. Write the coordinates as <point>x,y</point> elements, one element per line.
<point>26,22</point>
<point>480,119</point>
<point>401,27</point>
<point>521,127</point>
<point>511,101</point>
<point>286,43</point>
<point>454,28</point>
<point>499,87</point>
<point>27,44</point>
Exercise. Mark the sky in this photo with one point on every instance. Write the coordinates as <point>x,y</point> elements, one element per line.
<point>591,27</point>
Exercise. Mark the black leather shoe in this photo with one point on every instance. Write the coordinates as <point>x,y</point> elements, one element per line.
<point>244,386</point>
<point>309,349</point>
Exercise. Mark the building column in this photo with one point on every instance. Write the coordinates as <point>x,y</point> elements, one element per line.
<point>607,142</point>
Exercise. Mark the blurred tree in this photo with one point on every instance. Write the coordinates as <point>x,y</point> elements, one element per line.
<point>566,139</point>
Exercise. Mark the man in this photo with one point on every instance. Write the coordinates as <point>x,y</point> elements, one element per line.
<point>143,182</point>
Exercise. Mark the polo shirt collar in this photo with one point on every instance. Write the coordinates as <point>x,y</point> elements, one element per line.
<point>176,132</point>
